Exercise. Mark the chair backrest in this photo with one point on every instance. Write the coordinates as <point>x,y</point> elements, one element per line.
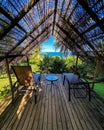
<point>23,75</point>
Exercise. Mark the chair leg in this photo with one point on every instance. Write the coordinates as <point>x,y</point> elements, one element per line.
<point>64,80</point>
<point>69,93</point>
<point>35,91</point>
<point>89,93</point>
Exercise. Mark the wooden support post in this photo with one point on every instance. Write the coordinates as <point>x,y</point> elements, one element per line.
<point>77,60</point>
<point>96,71</point>
<point>27,60</point>
<point>9,76</point>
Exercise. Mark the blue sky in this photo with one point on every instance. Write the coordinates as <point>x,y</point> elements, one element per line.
<point>47,46</point>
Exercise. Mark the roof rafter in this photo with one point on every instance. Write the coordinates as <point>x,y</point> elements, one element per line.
<point>92,14</point>
<point>42,39</point>
<point>67,8</point>
<point>89,29</point>
<point>41,22</point>
<point>65,42</point>
<point>72,11</point>
<point>73,40</point>
<point>44,30</point>
<point>18,18</point>
<point>54,19</point>
<point>81,36</point>
<point>33,45</point>
<point>11,56</point>
<point>10,18</point>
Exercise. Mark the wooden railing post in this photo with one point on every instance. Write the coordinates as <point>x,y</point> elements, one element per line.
<point>77,60</point>
<point>27,60</point>
<point>9,76</point>
<point>96,71</point>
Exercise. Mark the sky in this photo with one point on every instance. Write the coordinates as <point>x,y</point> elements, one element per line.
<point>47,45</point>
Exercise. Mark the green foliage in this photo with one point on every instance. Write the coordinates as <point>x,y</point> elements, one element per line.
<point>58,65</point>
<point>53,65</point>
<point>45,64</point>
<point>4,85</point>
<point>35,59</point>
<point>5,90</point>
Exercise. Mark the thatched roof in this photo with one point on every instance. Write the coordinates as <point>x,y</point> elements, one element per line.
<point>78,24</point>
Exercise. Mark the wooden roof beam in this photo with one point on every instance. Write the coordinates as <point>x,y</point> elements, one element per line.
<point>89,29</point>
<point>54,19</point>
<point>10,18</point>
<point>32,47</point>
<point>80,35</point>
<point>61,39</point>
<point>11,56</point>
<point>75,51</point>
<point>84,14</point>
<point>73,40</point>
<point>14,22</point>
<point>44,30</point>
<point>29,33</point>
<point>91,13</point>
<point>5,13</point>
<point>64,40</point>
<point>67,8</point>
<point>73,11</point>
<point>43,39</point>
<point>41,22</point>
<point>62,7</point>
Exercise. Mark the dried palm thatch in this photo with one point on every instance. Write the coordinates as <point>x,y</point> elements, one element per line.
<point>24,24</point>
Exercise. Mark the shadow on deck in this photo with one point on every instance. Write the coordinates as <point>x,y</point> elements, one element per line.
<point>53,111</point>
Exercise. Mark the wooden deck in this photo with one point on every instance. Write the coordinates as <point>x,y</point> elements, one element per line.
<point>53,111</point>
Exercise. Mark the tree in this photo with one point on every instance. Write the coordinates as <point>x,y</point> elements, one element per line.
<point>63,49</point>
<point>35,58</point>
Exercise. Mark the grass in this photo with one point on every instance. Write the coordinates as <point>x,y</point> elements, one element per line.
<point>99,88</point>
<point>5,88</point>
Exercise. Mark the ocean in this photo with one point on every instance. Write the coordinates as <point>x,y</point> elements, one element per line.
<point>53,54</point>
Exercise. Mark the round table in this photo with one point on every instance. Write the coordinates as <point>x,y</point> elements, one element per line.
<point>51,78</point>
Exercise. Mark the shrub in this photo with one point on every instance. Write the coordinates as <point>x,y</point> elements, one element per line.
<point>58,65</point>
<point>5,91</point>
<point>53,65</point>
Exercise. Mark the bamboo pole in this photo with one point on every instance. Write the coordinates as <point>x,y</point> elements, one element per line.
<point>27,60</point>
<point>9,76</point>
<point>96,71</point>
<point>77,60</point>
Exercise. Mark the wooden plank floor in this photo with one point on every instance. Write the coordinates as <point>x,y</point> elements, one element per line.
<point>53,111</point>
